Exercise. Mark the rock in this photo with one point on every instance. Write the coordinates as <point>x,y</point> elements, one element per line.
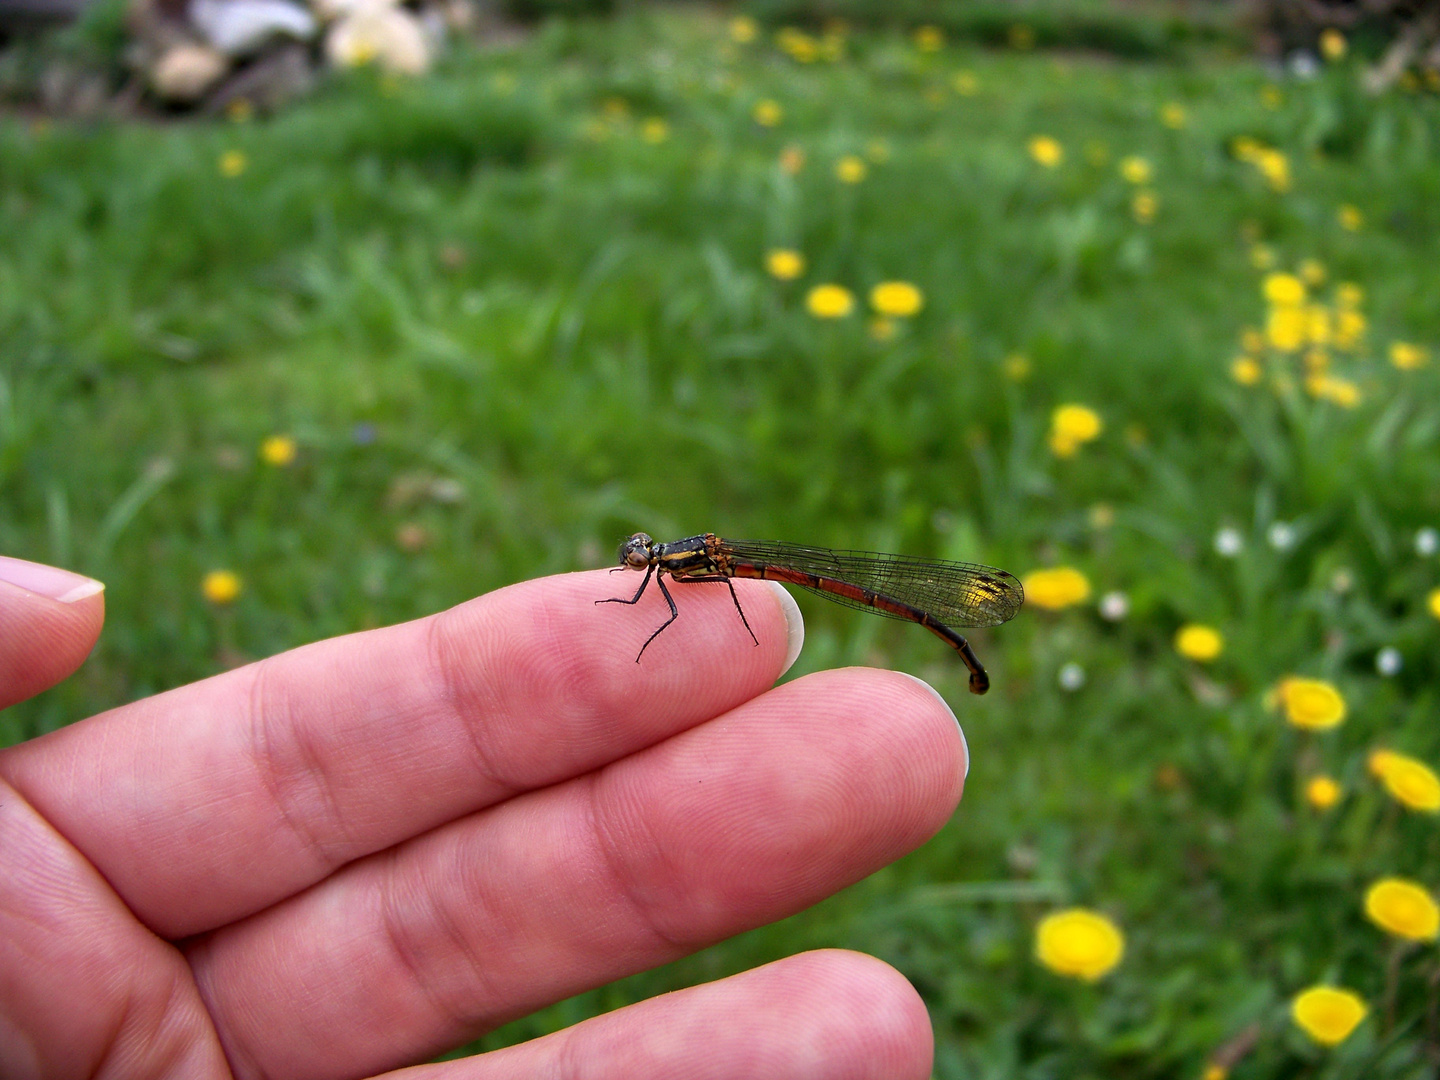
<point>390,36</point>
<point>280,76</point>
<point>186,72</point>
<point>240,27</point>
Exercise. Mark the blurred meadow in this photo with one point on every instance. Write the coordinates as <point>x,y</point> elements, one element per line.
<point>1169,336</point>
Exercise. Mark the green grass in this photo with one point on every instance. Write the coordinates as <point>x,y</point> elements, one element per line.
<point>494,274</point>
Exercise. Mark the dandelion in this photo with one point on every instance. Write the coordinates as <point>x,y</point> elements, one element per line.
<point>784,263</point>
<point>965,83</point>
<point>767,113</point>
<point>1286,328</point>
<point>1322,792</point>
<point>1056,587</point>
<point>1433,602</point>
<point>1135,170</point>
<point>1275,167</point>
<point>1311,704</point>
<point>220,586</point>
<point>1328,1014</point>
<point>851,169</point>
<point>1071,677</point>
<point>1016,367</point>
<point>792,160</point>
<point>1228,542</point>
<point>1411,782</point>
<point>1407,357</point>
<point>1388,661</point>
<point>654,130</point>
<point>1144,206</point>
<point>1080,943</point>
<point>1284,290</point>
<point>1046,151</point>
<point>830,301</point>
<point>1403,908</point>
<point>1071,426</point>
<point>898,299</point>
<point>1333,389</point>
<point>929,39</point>
<point>1195,641</point>
<point>278,450</point>
<point>743,29</point>
<point>1350,328</point>
<point>1350,218</point>
<point>1317,324</point>
<point>1333,44</point>
<point>1378,761</point>
<point>233,163</point>
<point>1173,116</point>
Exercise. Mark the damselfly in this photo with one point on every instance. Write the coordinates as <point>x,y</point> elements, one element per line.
<point>937,595</point>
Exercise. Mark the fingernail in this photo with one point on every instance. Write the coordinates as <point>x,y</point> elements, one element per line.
<point>51,581</point>
<point>963,744</point>
<point>794,624</point>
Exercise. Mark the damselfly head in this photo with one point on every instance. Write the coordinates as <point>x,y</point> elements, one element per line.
<point>637,552</point>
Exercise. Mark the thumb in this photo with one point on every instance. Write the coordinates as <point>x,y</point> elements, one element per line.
<point>49,620</point>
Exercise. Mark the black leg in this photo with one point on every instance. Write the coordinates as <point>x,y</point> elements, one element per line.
<point>674,614</point>
<point>636,598</point>
<point>728,581</point>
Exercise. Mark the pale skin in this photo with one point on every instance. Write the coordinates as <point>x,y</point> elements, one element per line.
<point>349,857</point>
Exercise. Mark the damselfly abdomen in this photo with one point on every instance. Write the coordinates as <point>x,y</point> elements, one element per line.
<point>938,595</point>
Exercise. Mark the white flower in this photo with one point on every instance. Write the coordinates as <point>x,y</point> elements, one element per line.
<point>1071,676</point>
<point>1281,536</point>
<point>1388,661</point>
<point>1229,542</point>
<point>1427,542</point>
<point>1114,606</point>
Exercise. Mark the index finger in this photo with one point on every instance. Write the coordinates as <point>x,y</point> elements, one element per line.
<point>215,800</point>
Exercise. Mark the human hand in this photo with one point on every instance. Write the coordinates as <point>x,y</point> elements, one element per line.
<point>359,853</point>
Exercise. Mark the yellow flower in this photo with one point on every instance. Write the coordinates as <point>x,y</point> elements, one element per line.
<point>785,264</point>
<point>1046,151</point>
<point>743,29</point>
<point>1333,389</point>
<point>1017,368</point>
<point>830,301</point>
<point>1312,272</point>
<point>1411,782</point>
<point>965,83</point>
<point>1073,425</point>
<point>654,130</point>
<point>1143,206</point>
<point>1172,115</point>
<point>1350,218</point>
<point>1057,587</point>
<point>1378,761</point>
<point>1403,908</point>
<point>278,450</point>
<point>220,586</point>
<point>1317,324</point>
<point>1284,290</point>
<point>1322,792</point>
<point>792,160</point>
<point>1433,602</point>
<point>1332,44</point>
<point>1135,170</point>
<point>1245,370</point>
<point>1215,1071</point>
<point>767,113</point>
<point>1080,943</point>
<point>897,299</point>
<point>1197,642</point>
<point>1245,147</point>
<point>1285,328</point>
<point>1349,328</point>
<point>1275,167</point>
<point>1311,703</point>
<point>232,163</point>
<point>1407,357</point>
<point>929,39</point>
<point>851,169</point>
<point>1328,1014</point>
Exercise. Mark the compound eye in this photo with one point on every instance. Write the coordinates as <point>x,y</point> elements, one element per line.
<point>637,557</point>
